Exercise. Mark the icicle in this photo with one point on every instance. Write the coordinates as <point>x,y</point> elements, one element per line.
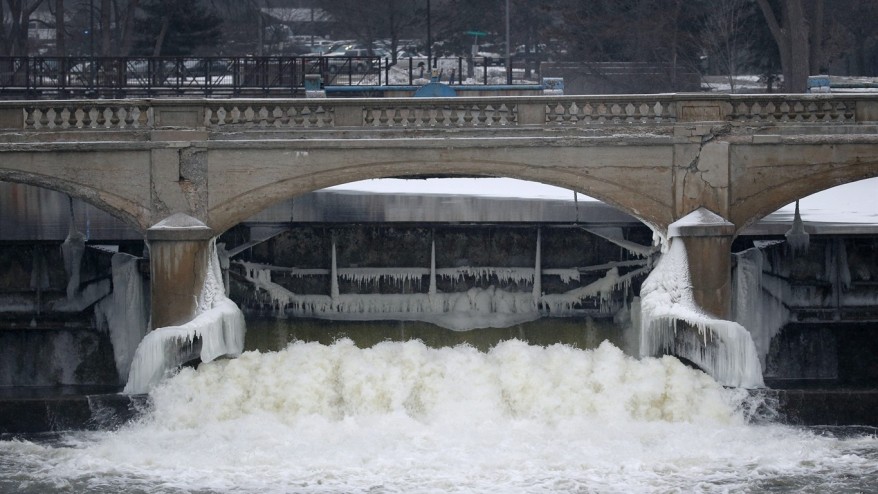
<point>797,237</point>
<point>844,271</point>
<point>126,311</point>
<point>224,260</point>
<point>538,273</point>
<point>333,290</point>
<point>757,300</point>
<point>614,235</point>
<point>432,290</point>
<point>72,251</point>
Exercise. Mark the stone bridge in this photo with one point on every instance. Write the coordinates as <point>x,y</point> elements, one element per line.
<point>657,157</point>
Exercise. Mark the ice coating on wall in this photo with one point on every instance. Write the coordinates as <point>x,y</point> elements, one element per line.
<point>72,250</point>
<point>758,300</point>
<point>218,325</point>
<point>459,311</point>
<point>482,274</point>
<point>671,322</point>
<point>260,276</point>
<point>125,313</point>
<point>602,288</point>
<point>614,235</point>
<point>363,277</point>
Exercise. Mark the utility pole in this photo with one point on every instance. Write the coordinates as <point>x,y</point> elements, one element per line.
<point>429,39</point>
<point>91,43</point>
<point>508,59</point>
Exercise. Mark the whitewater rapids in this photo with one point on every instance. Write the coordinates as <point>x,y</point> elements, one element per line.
<point>402,417</point>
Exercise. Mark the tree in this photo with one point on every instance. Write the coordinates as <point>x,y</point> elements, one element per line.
<point>797,27</point>
<point>371,20</point>
<point>176,27</point>
<point>726,41</point>
<point>661,32</point>
<point>60,35</point>
<point>854,25</point>
<point>14,22</point>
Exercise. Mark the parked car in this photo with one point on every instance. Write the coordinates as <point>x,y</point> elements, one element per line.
<point>360,59</point>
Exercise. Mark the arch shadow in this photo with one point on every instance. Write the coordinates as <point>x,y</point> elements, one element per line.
<point>656,214</point>
<point>129,212</point>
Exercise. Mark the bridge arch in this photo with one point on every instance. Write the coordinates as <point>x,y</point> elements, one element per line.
<point>128,211</point>
<point>620,193</point>
<point>770,199</point>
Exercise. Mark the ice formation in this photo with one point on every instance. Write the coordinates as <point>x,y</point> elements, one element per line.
<point>125,313</point>
<point>482,274</point>
<point>72,250</point>
<point>566,274</point>
<point>369,276</point>
<point>672,322</point>
<point>218,324</point>
<point>797,237</point>
<point>758,299</point>
<point>460,311</point>
<point>614,235</point>
<point>603,289</point>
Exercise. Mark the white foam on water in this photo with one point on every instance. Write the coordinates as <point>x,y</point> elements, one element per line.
<point>402,417</point>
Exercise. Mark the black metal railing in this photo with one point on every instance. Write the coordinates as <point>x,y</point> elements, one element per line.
<point>116,77</point>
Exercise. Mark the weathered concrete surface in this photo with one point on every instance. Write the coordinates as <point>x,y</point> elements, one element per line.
<point>658,157</point>
<point>177,271</point>
<point>49,410</point>
<point>827,406</point>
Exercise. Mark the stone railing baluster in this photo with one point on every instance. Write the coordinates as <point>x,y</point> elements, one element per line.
<point>554,111</point>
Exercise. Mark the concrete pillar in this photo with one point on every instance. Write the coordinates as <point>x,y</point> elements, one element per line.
<point>179,250</point>
<point>708,240</point>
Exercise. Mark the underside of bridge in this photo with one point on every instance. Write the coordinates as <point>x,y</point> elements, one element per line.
<point>698,171</point>
<point>815,318</point>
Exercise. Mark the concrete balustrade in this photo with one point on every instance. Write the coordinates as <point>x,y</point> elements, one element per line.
<point>658,157</point>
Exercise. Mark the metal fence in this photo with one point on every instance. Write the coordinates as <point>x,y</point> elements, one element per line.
<point>113,77</point>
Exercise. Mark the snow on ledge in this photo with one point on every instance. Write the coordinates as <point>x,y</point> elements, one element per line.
<point>701,222</point>
<point>178,221</point>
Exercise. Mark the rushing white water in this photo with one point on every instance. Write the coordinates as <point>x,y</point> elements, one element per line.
<point>402,417</point>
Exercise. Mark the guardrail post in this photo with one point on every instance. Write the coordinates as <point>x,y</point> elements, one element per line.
<point>867,111</point>
<point>12,118</point>
<point>348,116</point>
<point>531,113</point>
<point>703,110</point>
<point>190,116</point>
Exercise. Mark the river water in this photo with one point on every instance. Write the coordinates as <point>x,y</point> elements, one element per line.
<point>403,417</point>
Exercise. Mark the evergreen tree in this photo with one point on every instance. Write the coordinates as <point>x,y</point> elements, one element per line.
<point>176,28</point>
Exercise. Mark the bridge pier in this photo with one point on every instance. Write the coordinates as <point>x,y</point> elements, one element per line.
<point>708,240</point>
<point>179,250</point>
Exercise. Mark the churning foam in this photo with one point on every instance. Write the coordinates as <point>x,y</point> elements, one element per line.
<point>402,417</point>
